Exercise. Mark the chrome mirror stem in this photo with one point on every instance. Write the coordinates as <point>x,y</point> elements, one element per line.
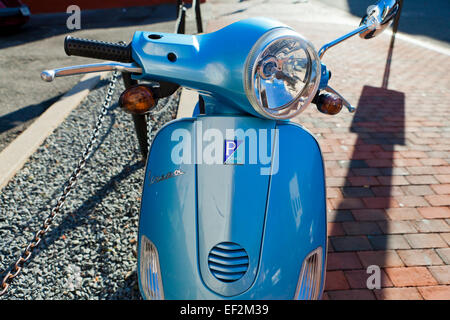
<point>340,39</point>
<point>377,19</point>
<point>347,104</point>
<point>49,75</point>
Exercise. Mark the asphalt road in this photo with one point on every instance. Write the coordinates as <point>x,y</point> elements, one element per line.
<point>39,46</point>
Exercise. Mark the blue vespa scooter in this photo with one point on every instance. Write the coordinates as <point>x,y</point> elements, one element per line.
<point>234,203</point>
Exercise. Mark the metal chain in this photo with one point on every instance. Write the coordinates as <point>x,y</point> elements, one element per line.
<point>68,188</point>
<point>149,130</point>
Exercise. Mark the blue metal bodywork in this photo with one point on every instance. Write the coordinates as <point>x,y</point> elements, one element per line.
<point>277,218</point>
<point>274,209</point>
<point>211,63</point>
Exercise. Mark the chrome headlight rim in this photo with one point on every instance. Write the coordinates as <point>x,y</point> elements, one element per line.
<point>295,107</point>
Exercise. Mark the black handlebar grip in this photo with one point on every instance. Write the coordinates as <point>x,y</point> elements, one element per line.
<point>97,49</point>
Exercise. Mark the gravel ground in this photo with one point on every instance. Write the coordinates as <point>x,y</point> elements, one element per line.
<point>90,251</point>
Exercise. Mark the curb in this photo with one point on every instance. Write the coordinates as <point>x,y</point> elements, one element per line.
<point>14,156</point>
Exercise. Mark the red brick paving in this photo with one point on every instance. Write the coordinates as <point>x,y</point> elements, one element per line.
<point>419,257</point>
<point>441,273</point>
<point>383,259</point>
<point>425,240</point>
<point>398,294</point>
<point>435,212</point>
<point>387,166</point>
<point>354,294</point>
<point>441,188</point>
<point>399,217</point>
<point>403,213</point>
<point>336,280</point>
<point>435,292</point>
<point>438,200</point>
<point>343,261</point>
<point>444,254</point>
<point>397,227</point>
<point>357,279</point>
<point>411,276</point>
<point>369,215</point>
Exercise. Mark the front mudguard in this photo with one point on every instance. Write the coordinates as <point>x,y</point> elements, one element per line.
<point>283,220</point>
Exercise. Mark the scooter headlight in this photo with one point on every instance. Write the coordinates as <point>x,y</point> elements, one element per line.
<point>150,272</point>
<point>282,74</point>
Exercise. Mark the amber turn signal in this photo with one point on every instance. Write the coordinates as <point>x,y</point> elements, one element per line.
<point>328,103</point>
<point>138,99</point>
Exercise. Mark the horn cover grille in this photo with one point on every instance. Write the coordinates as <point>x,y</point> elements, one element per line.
<point>228,261</point>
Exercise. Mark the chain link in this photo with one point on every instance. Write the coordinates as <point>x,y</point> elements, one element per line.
<point>7,280</point>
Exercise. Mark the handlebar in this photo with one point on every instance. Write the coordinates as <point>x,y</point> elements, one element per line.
<point>119,54</point>
<point>97,49</point>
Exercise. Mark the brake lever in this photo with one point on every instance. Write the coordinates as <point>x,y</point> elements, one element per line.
<point>49,75</point>
<point>347,104</point>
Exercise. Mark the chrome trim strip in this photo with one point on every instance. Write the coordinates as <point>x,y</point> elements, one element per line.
<point>309,282</point>
<point>150,276</point>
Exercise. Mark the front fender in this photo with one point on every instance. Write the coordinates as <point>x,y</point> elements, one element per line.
<point>278,219</point>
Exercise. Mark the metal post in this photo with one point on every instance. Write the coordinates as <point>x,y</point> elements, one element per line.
<point>198,16</point>
<point>387,68</point>
<point>180,26</point>
<point>179,4</point>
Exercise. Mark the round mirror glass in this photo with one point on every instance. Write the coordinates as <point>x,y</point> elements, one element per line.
<point>379,17</point>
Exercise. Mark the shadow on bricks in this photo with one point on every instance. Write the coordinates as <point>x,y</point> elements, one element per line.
<point>380,124</point>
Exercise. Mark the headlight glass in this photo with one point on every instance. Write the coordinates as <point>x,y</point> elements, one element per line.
<point>149,271</point>
<point>282,74</point>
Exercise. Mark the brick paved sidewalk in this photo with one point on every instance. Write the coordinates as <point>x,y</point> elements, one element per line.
<point>387,165</point>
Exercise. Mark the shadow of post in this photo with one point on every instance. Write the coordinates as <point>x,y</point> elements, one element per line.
<point>371,183</point>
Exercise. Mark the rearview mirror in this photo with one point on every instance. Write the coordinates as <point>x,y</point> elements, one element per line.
<point>379,17</point>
